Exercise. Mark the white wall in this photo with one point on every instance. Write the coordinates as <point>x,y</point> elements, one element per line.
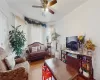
<point>83,20</point>
<point>5,10</point>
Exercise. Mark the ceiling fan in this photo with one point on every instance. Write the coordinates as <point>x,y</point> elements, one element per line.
<point>46,5</point>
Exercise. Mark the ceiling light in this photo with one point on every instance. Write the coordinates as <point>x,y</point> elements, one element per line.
<point>46,10</point>
<point>50,0</point>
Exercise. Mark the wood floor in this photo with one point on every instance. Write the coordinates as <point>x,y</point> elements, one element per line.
<point>36,68</point>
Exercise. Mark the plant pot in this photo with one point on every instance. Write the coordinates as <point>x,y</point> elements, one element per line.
<point>89,52</point>
<point>17,57</point>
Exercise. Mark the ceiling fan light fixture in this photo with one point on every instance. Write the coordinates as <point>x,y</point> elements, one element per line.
<point>53,2</point>
<point>50,0</point>
<point>46,10</point>
<point>46,4</point>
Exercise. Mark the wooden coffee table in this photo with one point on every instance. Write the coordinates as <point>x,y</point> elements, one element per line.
<point>60,70</point>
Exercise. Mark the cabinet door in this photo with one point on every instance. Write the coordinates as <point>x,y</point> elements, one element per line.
<point>73,62</point>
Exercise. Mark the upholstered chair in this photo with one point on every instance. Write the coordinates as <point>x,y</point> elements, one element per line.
<point>21,70</point>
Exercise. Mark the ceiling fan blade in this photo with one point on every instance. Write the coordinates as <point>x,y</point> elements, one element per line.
<point>52,3</point>
<point>37,6</point>
<point>51,11</point>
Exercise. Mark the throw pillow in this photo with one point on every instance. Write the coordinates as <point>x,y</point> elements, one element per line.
<point>38,48</point>
<point>10,61</point>
<point>34,49</point>
<point>42,47</point>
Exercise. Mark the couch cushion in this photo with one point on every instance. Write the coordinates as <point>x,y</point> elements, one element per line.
<point>2,66</point>
<point>24,64</point>
<point>41,51</point>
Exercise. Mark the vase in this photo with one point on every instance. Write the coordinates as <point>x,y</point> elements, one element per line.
<point>85,51</point>
<point>81,48</point>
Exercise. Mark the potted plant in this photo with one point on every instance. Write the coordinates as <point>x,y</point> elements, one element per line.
<point>89,46</point>
<point>17,40</point>
<point>81,40</point>
<point>55,37</point>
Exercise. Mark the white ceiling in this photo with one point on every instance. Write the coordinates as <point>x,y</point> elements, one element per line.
<point>62,8</point>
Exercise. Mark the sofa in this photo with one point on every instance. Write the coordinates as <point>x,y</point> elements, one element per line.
<point>40,51</point>
<point>21,71</point>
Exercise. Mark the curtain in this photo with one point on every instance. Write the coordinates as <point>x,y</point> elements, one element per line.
<point>3,31</point>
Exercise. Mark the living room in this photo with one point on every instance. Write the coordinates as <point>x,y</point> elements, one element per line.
<point>81,17</point>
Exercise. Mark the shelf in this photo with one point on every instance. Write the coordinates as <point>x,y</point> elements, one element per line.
<point>77,61</point>
<point>75,52</point>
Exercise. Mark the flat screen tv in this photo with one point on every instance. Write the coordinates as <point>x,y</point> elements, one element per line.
<point>72,43</point>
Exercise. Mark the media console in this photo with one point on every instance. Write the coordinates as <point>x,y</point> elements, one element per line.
<point>80,62</point>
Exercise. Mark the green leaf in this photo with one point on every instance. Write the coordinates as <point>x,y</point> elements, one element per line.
<point>55,36</point>
<point>17,39</point>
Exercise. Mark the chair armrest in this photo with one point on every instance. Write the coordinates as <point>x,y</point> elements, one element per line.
<point>17,74</point>
<point>20,60</point>
<point>27,51</point>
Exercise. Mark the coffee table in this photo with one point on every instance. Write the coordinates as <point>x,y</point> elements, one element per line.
<point>60,70</point>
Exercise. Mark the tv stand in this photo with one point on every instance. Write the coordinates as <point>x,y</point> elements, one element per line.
<point>80,62</point>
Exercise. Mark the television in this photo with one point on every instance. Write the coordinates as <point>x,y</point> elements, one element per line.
<point>72,43</point>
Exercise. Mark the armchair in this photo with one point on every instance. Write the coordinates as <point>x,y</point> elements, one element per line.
<point>21,70</point>
<point>16,74</point>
